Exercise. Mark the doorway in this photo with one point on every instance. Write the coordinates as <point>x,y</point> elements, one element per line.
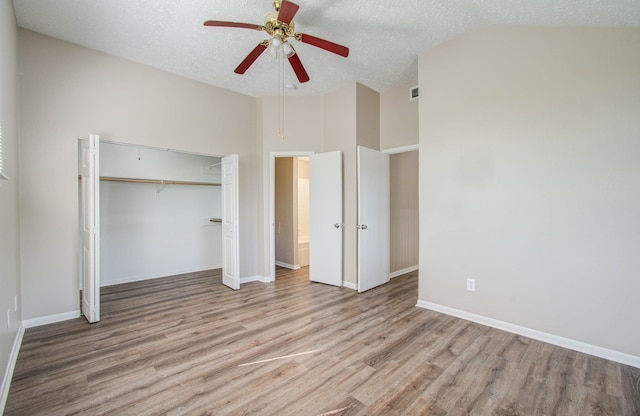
<point>289,179</point>
<point>404,208</point>
<point>291,212</point>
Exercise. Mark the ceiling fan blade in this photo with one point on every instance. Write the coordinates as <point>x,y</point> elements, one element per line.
<point>298,68</point>
<point>323,44</point>
<point>251,58</point>
<point>233,24</point>
<point>287,11</point>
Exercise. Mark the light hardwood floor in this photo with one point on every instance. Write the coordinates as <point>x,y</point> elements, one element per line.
<point>186,345</point>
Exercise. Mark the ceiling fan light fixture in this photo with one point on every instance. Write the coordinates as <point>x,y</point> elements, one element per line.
<point>288,50</point>
<point>274,46</point>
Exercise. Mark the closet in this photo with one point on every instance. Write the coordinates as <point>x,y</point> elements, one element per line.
<point>160,213</point>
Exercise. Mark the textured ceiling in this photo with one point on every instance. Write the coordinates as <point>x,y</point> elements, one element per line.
<point>384,36</point>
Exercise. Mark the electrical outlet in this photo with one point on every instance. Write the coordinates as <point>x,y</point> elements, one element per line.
<point>15,303</point>
<point>471,285</point>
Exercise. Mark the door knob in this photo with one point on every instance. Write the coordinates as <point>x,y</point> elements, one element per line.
<point>362,227</point>
<point>337,225</point>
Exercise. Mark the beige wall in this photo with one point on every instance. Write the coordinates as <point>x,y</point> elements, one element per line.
<point>339,115</point>
<point>398,118</point>
<point>284,211</point>
<point>66,92</point>
<point>367,117</point>
<point>9,217</point>
<point>351,118</point>
<point>304,129</point>
<point>403,180</point>
<point>530,179</point>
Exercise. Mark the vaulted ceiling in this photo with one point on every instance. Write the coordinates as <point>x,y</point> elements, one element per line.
<point>384,36</point>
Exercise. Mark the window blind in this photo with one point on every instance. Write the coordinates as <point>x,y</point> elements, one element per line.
<point>2,175</point>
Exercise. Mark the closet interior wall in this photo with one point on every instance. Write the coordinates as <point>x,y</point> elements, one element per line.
<point>156,212</point>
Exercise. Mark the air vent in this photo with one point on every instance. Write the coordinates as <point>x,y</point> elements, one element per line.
<point>413,93</point>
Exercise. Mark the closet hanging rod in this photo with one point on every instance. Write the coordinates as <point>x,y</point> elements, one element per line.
<point>156,181</point>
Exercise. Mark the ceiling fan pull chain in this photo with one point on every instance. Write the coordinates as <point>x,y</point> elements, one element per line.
<point>281,92</point>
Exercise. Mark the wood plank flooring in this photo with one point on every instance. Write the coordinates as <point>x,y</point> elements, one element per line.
<point>186,345</point>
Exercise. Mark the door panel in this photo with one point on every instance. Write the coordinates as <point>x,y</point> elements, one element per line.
<point>373,218</point>
<point>325,218</point>
<point>230,243</point>
<point>90,196</point>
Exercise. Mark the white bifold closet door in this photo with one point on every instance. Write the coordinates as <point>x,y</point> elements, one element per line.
<point>90,197</point>
<point>230,223</point>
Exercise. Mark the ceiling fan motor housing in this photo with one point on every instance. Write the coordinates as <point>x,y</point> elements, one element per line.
<point>275,27</point>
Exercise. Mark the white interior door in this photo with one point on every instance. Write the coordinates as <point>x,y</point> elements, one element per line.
<point>230,245</point>
<point>90,195</point>
<point>325,218</point>
<point>373,218</point>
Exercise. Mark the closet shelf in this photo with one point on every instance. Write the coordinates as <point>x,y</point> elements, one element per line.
<point>156,181</point>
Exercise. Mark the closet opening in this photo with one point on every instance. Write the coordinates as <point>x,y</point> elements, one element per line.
<point>159,213</point>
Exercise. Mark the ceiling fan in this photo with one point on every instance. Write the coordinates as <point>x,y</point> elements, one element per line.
<point>280,27</point>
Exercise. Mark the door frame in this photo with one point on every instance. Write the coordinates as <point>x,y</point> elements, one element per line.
<point>272,207</point>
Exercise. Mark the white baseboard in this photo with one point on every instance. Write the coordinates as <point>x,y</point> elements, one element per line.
<point>249,279</point>
<point>571,344</point>
<point>403,271</point>
<point>350,285</point>
<point>401,149</point>
<point>287,265</point>
<point>11,365</point>
<point>50,319</point>
<point>138,278</point>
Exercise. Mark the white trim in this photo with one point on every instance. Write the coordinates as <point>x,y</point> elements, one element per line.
<point>11,365</point>
<point>571,344</point>
<point>350,285</point>
<point>272,206</point>
<point>250,279</point>
<point>50,319</point>
<point>141,277</point>
<point>287,265</point>
<point>401,149</point>
<point>403,271</point>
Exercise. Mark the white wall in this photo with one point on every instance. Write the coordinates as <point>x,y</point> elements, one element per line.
<point>150,230</point>
<point>9,217</point>
<point>303,199</point>
<point>153,163</point>
<point>145,234</point>
<point>67,91</point>
<point>530,179</point>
